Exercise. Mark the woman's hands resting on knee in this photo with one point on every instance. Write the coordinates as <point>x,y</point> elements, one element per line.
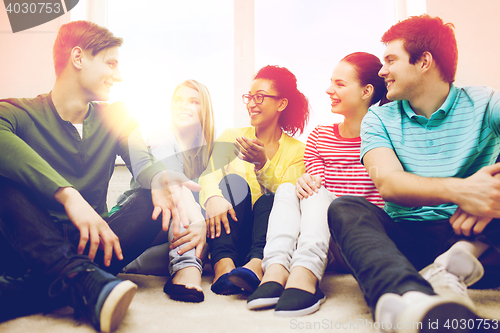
<point>194,236</point>
<point>307,185</point>
<point>216,209</point>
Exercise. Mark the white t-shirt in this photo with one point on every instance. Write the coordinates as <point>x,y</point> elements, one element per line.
<point>79,128</point>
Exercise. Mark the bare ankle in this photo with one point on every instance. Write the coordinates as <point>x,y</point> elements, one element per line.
<point>189,277</point>
<point>302,278</point>
<point>255,265</point>
<point>223,266</point>
<point>276,273</point>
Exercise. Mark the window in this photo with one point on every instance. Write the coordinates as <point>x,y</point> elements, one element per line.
<point>171,41</point>
<point>167,43</point>
<point>311,37</point>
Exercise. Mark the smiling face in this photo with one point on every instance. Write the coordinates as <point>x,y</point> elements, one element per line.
<point>345,91</point>
<point>268,112</point>
<point>402,78</point>
<point>186,108</point>
<point>98,73</point>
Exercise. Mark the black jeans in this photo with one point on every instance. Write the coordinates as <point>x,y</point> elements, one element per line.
<point>248,235</point>
<point>385,256</point>
<point>30,239</point>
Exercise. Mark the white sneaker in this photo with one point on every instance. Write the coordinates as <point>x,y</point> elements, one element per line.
<point>451,280</point>
<point>387,311</point>
<point>424,313</point>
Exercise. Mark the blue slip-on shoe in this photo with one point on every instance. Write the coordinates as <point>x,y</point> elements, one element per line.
<point>244,278</point>
<point>265,296</point>
<point>224,287</point>
<point>297,302</point>
<point>96,294</point>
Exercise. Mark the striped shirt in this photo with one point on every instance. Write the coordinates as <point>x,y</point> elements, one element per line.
<point>461,137</point>
<point>336,160</point>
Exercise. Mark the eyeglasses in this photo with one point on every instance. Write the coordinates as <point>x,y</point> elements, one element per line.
<point>257,98</point>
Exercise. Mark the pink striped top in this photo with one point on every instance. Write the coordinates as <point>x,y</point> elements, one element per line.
<point>336,160</point>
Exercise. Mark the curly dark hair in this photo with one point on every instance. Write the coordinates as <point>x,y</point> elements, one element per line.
<point>295,116</point>
<point>428,34</point>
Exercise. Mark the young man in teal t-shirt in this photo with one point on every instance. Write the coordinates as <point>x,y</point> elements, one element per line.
<point>431,153</point>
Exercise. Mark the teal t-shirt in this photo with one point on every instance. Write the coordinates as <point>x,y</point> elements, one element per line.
<point>460,138</point>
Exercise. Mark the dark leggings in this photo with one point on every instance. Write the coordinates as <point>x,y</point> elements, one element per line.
<point>248,235</point>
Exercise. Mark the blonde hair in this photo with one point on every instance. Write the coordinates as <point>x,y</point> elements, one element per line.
<point>194,167</point>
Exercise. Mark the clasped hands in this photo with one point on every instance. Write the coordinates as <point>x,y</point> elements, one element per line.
<point>252,151</point>
<point>481,202</point>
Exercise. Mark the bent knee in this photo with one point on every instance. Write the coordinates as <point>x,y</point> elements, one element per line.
<point>286,192</point>
<point>342,209</point>
<point>286,189</point>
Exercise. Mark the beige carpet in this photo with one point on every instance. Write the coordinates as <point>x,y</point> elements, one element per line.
<point>152,311</point>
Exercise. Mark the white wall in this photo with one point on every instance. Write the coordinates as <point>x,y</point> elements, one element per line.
<point>477,29</point>
<point>26,67</point>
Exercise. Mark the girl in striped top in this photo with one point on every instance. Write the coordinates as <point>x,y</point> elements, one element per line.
<point>333,160</point>
<point>298,237</point>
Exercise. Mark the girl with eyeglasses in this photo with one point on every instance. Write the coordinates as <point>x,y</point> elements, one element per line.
<point>296,252</point>
<point>243,174</point>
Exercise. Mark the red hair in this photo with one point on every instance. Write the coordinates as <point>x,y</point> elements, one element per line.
<point>428,34</point>
<point>87,35</point>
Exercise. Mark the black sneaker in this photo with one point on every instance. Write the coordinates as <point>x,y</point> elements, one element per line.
<point>266,296</point>
<point>297,302</point>
<point>96,294</point>
<point>23,296</point>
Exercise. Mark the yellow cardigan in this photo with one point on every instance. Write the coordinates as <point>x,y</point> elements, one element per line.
<point>286,166</point>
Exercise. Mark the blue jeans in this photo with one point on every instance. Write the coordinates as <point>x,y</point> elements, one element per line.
<point>385,256</point>
<point>30,239</point>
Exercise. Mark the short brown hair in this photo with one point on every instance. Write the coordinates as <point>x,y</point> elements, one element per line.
<point>87,35</point>
<point>428,34</point>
